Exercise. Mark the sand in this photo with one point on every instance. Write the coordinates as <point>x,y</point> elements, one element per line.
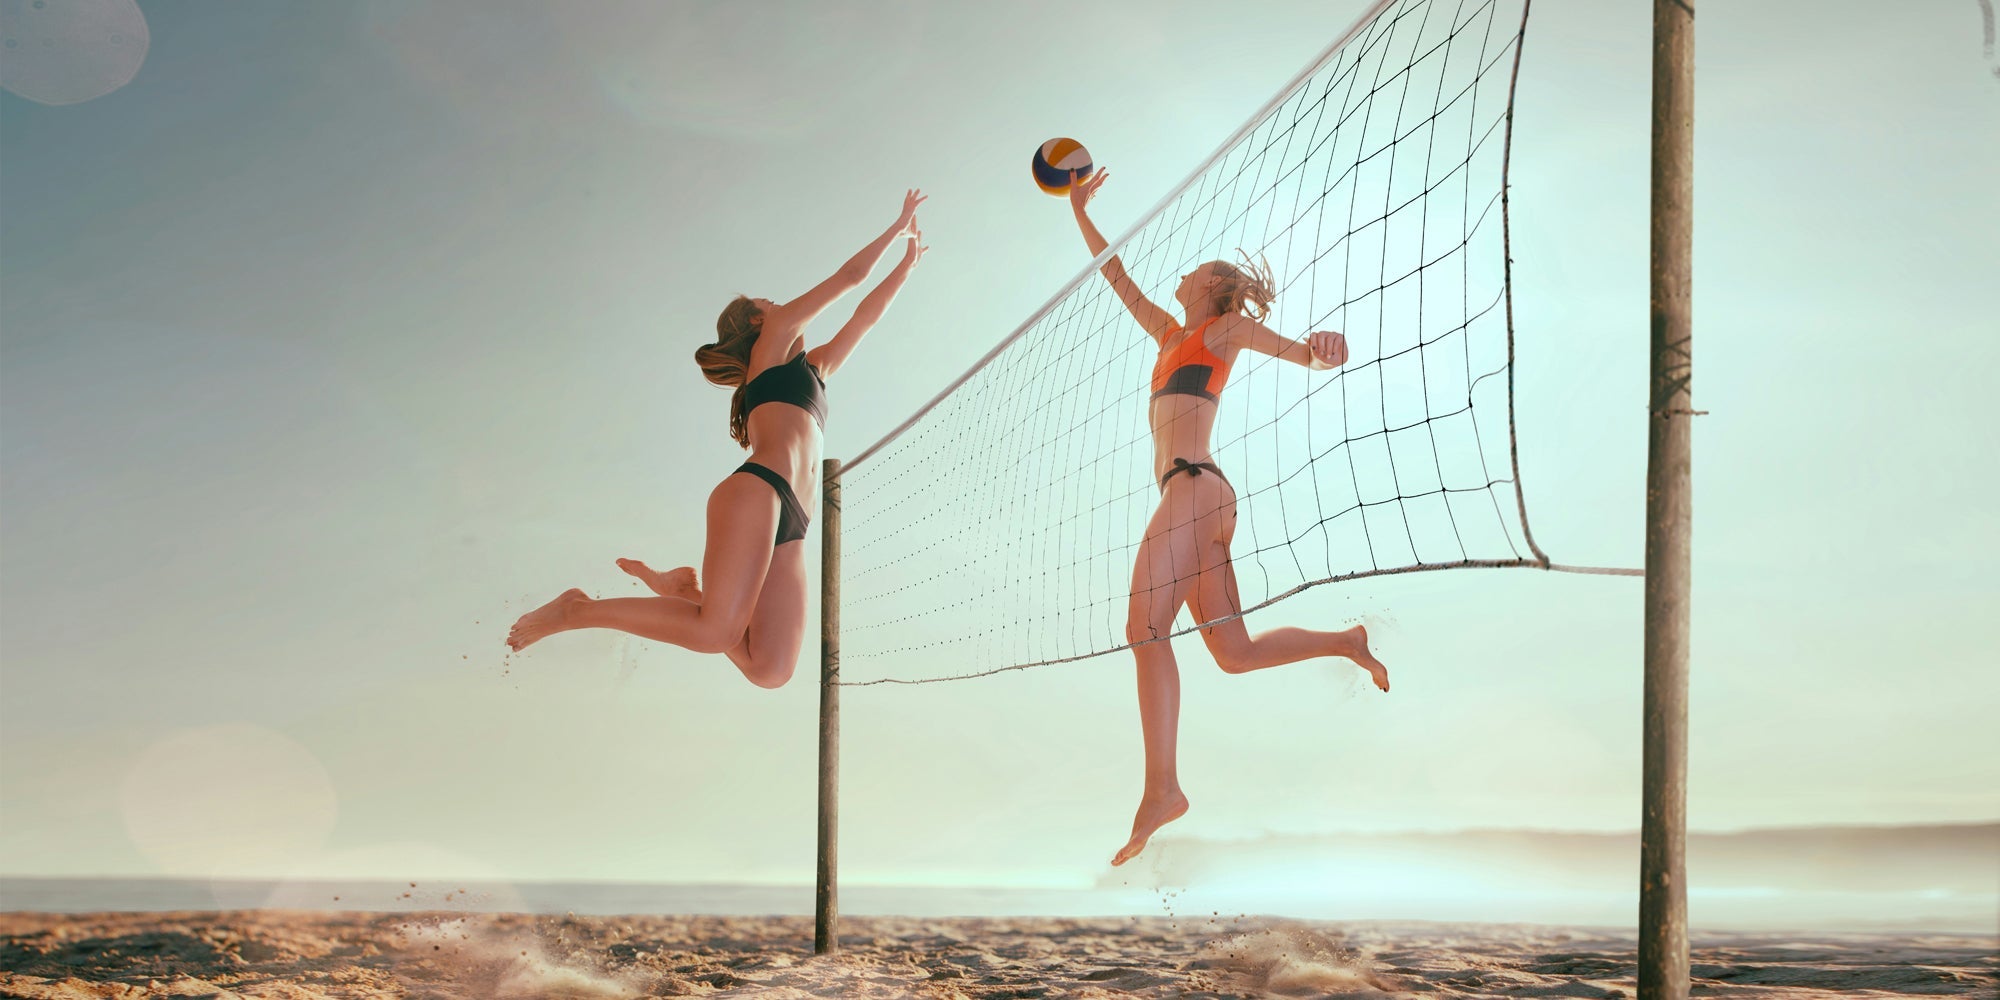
<point>309,955</point>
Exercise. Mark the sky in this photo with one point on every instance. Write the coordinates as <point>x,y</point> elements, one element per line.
<point>343,334</point>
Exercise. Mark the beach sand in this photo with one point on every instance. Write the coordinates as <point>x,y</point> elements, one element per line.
<point>300,955</point>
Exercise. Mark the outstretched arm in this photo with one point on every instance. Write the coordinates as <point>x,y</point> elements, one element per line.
<point>828,357</point>
<point>1319,350</point>
<point>801,310</point>
<point>1153,319</point>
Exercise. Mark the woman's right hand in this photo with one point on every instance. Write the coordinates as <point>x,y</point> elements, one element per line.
<point>914,251</point>
<point>1328,347</point>
<point>907,222</point>
<point>1082,189</point>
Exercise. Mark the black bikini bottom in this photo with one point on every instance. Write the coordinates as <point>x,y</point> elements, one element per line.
<point>1193,469</point>
<point>792,518</point>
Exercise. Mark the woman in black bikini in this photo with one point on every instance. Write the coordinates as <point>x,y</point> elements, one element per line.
<point>1184,559</point>
<point>753,606</point>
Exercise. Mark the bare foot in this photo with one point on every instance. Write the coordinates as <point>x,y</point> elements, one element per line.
<point>1153,814</point>
<point>679,582</point>
<point>1364,659</point>
<point>544,621</point>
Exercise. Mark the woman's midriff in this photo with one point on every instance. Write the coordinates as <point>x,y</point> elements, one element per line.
<point>1181,429</point>
<point>784,439</point>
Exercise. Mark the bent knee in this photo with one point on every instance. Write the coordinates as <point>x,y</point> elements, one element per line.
<point>769,676</point>
<point>1234,664</point>
<point>1232,657</point>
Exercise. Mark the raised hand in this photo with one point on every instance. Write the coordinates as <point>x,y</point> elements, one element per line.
<point>907,221</point>
<point>1082,189</point>
<point>1328,347</point>
<point>914,251</point>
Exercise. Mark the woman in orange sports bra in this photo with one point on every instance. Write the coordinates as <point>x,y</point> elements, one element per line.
<point>753,607</point>
<point>1184,559</point>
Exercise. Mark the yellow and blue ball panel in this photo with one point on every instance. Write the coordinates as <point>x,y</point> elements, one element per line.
<point>1055,160</point>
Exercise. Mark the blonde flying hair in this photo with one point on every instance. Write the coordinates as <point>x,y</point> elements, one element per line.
<point>1248,289</point>
<point>727,361</point>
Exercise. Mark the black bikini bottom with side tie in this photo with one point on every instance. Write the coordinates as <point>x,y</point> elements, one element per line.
<point>1193,469</point>
<point>792,518</point>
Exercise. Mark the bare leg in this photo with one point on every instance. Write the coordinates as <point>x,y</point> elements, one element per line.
<point>742,519</point>
<point>1238,652</point>
<point>769,652</point>
<point>1162,801</point>
<point>1162,578</point>
<point>682,583</point>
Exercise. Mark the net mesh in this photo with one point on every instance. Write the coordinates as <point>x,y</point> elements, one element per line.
<point>998,530</point>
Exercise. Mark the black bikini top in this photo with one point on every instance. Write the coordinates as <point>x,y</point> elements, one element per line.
<point>796,382</point>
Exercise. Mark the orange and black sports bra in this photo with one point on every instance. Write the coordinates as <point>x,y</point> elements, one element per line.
<point>1189,367</point>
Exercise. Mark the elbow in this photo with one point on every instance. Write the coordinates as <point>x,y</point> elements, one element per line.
<point>853,273</point>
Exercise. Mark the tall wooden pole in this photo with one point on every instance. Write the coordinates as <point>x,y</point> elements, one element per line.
<point>1663,930</point>
<point>826,904</point>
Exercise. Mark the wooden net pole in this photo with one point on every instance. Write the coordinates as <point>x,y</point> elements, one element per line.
<point>1663,930</point>
<point>826,905</point>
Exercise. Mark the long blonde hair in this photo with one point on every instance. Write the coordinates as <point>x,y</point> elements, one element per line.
<point>1248,289</point>
<point>727,361</point>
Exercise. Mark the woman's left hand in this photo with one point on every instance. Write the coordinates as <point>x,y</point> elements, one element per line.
<point>908,220</point>
<point>915,250</point>
<point>1328,348</point>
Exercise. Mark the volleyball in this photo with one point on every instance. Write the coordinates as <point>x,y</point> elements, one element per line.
<point>1055,159</point>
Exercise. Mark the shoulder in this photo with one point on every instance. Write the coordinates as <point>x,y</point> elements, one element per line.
<point>770,352</point>
<point>1242,333</point>
<point>1234,331</point>
<point>782,323</point>
<point>778,350</point>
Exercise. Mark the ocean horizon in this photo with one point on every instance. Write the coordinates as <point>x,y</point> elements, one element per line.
<point>1942,878</point>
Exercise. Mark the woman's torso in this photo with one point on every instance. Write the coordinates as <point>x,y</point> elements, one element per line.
<point>1182,417</point>
<point>785,433</point>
